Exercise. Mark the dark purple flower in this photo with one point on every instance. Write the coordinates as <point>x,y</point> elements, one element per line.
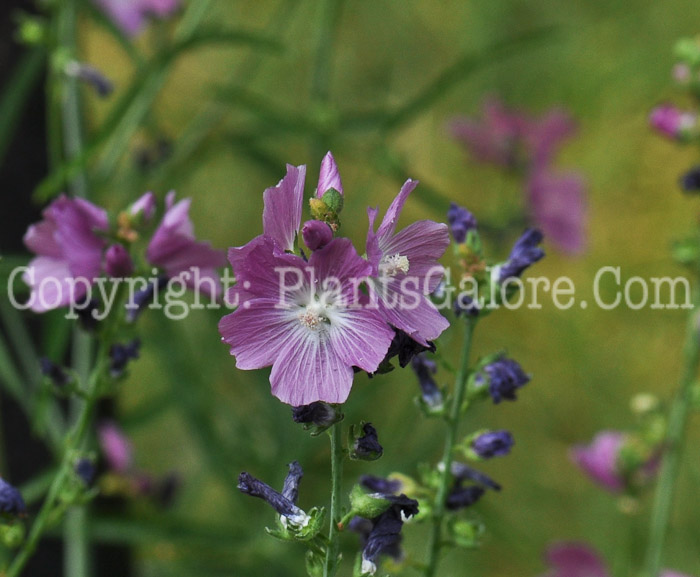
<point>318,413</point>
<point>316,234</point>
<point>558,207</point>
<point>85,469</point>
<point>174,248</point>
<point>466,305</point>
<point>505,376</point>
<point>599,459</point>
<point>54,372</point>
<point>91,76</point>
<point>690,181</point>
<point>282,504</point>
<point>461,221</point>
<point>367,447</point>
<point>382,535</point>
<point>525,252</point>
<point>462,472</point>
<point>130,15</point>
<point>381,485</point>
<point>425,369</point>
<point>310,325</point>
<point>329,177</point>
<point>673,122</point>
<point>11,502</point>
<point>121,354</point>
<point>493,444</point>
<point>405,348</point>
<point>69,252</point>
<point>118,263</point>
<point>405,268</point>
<point>290,489</point>
<point>461,497</point>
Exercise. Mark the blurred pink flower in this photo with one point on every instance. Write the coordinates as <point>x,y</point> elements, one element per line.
<point>68,247</point>
<point>673,122</point>
<point>130,15</point>
<point>515,140</point>
<point>116,448</point>
<point>579,560</point>
<point>599,459</point>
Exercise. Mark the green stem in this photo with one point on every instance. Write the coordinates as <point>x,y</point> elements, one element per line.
<point>435,543</point>
<point>331,565</point>
<point>666,485</point>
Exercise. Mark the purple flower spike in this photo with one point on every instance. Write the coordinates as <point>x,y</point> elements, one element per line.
<point>525,252</point>
<point>461,222</point>
<point>574,560</point>
<point>599,459</point>
<point>329,177</point>
<point>116,448</point>
<point>175,249</point>
<point>672,122</point>
<point>118,263</point>
<point>316,234</point>
<point>493,444</point>
<point>307,320</point>
<point>130,15</point>
<point>405,269</point>
<point>558,206</point>
<point>68,249</point>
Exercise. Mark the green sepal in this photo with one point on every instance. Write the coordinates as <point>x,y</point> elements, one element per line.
<point>688,50</point>
<point>315,563</point>
<point>289,532</point>
<point>321,211</point>
<point>687,251</point>
<point>367,505</point>
<point>333,200</point>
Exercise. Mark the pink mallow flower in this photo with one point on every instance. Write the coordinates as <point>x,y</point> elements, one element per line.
<point>130,16</point>
<point>306,319</point>
<point>405,269</point>
<point>599,459</point>
<point>69,252</point>
<point>175,249</point>
<point>579,560</point>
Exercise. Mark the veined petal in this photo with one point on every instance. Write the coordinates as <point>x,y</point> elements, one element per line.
<point>339,262</point>
<point>283,203</point>
<point>51,284</point>
<point>361,337</point>
<point>329,177</point>
<point>258,332</point>
<point>388,226</point>
<point>374,253</point>
<point>422,239</point>
<point>309,369</point>
<point>40,238</point>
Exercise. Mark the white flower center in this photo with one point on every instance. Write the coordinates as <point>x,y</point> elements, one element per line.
<point>313,316</point>
<point>393,265</point>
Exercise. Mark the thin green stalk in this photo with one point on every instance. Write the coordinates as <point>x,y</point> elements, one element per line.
<point>331,565</point>
<point>435,543</point>
<point>673,447</point>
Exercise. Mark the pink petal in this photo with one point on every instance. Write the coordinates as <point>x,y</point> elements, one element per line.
<point>388,226</point>
<point>283,203</point>
<point>329,176</point>
<point>575,560</point>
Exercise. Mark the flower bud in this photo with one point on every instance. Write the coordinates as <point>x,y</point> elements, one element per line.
<point>366,445</point>
<point>118,263</point>
<point>673,122</point>
<point>329,176</point>
<point>11,502</point>
<point>316,234</point>
<point>492,444</point>
<point>461,221</point>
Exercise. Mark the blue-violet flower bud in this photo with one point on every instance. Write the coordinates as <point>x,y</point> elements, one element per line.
<point>525,252</point>
<point>461,221</point>
<point>493,444</point>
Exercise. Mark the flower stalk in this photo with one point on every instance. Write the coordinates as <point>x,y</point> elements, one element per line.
<point>675,434</point>
<point>453,420</point>
<point>331,565</point>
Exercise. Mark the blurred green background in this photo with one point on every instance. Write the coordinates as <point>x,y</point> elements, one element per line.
<point>236,115</point>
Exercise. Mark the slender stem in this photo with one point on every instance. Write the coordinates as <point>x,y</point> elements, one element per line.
<point>666,485</point>
<point>435,543</point>
<point>331,565</point>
